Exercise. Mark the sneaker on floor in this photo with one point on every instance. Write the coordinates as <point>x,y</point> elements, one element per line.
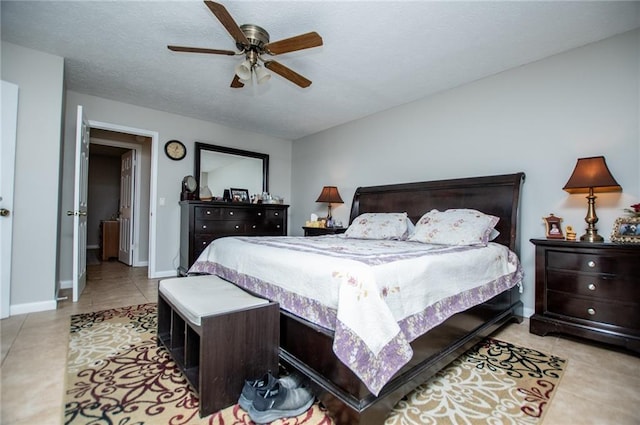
<point>251,387</point>
<point>279,402</point>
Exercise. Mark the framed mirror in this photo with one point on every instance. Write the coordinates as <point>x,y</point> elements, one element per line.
<point>220,168</point>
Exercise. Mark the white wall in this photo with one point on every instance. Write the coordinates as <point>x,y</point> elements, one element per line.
<point>35,215</point>
<point>538,118</point>
<point>170,173</point>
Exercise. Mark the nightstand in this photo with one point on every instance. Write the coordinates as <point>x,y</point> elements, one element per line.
<point>319,231</point>
<point>589,290</point>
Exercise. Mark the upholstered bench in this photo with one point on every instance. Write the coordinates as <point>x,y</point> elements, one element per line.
<point>218,335</point>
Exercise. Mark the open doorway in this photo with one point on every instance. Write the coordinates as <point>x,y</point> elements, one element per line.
<point>118,224</point>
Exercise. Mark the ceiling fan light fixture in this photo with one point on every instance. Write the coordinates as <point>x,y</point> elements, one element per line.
<point>243,70</point>
<point>262,76</point>
<point>254,41</point>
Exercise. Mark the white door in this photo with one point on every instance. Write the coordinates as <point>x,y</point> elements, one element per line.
<point>79,212</point>
<point>7,168</point>
<point>127,167</point>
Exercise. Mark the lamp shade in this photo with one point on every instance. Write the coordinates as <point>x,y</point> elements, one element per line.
<point>243,70</point>
<point>591,173</point>
<point>330,194</point>
<point>261,75</point>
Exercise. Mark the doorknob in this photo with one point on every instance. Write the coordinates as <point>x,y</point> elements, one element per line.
<point>4,212</point>
<point>81,213</point>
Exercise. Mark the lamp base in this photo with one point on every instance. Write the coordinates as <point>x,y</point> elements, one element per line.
<point>591,236</point>
<point>591,219</point>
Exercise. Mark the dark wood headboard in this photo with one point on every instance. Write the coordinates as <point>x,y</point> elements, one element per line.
<point>495,195</point>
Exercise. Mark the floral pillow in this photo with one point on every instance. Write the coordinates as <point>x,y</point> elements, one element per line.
<point>455,227</point>
<point>380,226</point>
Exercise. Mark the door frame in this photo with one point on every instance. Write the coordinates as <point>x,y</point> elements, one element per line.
<point>153,183</point>
<point>136,191</point>
<point>10,99</point>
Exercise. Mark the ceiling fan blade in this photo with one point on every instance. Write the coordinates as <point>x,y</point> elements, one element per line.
<point>227,21</point>
<point>201,50</point>
<point>287,73</point>
<point>299,42</point>
<point>236,83</point>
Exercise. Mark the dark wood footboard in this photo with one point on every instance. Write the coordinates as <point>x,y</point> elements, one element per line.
<point>307,349</point>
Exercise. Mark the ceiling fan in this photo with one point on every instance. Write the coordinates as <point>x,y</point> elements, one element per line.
<point>252,41</point>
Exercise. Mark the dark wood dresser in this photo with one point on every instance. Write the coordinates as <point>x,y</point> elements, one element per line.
<point>201,222</point>
<point>589,290</point>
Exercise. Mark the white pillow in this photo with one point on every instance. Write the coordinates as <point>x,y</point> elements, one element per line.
<point>455,227</point>
<point>380,226</point>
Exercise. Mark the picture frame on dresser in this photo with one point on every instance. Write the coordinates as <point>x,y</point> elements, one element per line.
<point>626,230</point>
<point>239,195</point>
<point>553,227</point>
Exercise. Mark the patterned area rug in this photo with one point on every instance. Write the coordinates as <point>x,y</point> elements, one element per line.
<point>117,374</point>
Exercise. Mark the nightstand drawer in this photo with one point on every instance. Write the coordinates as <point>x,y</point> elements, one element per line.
<point>321,231</point>
<point>626,315</point>
<point>592,263</point>
<point>583,262</point>
<point>593,285</point>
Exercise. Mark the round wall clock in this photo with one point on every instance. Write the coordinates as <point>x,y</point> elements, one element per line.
<point>175,150</point>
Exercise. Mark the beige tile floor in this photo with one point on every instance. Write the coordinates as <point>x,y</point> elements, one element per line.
<point>600,386</point>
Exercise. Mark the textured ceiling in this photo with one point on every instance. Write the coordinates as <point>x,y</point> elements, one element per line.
<point>376,55</point>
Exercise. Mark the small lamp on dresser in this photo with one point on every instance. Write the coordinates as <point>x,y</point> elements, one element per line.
<point>591,175</point>
<point>330,195</point>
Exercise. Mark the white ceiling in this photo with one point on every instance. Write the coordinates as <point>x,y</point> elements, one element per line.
<point>376,55</point>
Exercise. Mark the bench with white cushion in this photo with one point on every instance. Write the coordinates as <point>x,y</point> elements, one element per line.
<point>218,335</point>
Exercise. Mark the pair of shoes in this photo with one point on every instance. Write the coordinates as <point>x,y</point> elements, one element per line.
<point>279,402</point>
<point>268,381</point>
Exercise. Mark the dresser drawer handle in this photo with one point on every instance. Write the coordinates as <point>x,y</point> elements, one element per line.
<point>276,213</point>
<point>591,311</point>
<point>204,226</point>
<point>208,212</point>
<point>591,264</point>
<point>278,226</point>
<point>254,226</point>
<point>204,243</point>
<point>230,212</point>
<point>591,287</point>
<point>237,227</point>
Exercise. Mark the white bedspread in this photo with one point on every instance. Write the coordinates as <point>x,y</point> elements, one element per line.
<point>377,295</point>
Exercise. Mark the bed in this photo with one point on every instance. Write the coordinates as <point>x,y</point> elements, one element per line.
<point>308,344</point>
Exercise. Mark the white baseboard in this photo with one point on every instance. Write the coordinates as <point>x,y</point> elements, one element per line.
<point>66,284</point>
<point>169,273</point>
<point>528,312</point>
<point>16,309</point>
<point>93,246</point>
